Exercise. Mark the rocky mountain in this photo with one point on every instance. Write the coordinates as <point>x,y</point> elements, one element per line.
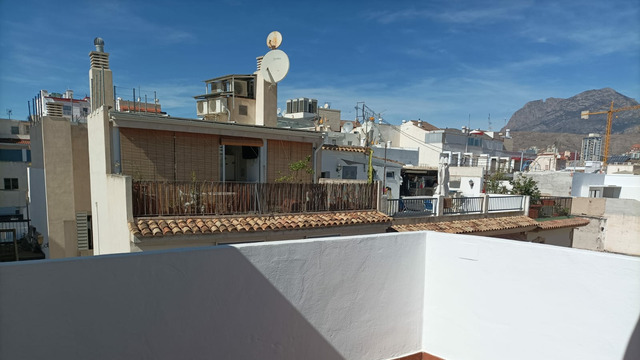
<point>563,115</point>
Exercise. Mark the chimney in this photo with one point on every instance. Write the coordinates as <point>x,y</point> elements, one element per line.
<point>100,77</point>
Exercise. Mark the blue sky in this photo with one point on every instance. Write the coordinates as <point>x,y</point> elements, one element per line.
<point>435,60</point>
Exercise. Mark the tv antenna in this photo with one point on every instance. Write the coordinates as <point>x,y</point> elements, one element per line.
<point>275,63</point>
<point>9,112</point>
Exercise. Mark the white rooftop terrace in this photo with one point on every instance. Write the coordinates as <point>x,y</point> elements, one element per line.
<point>363,297</point>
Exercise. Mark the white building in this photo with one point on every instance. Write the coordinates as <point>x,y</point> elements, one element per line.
<point>15,156</point>
<point>63,105</point>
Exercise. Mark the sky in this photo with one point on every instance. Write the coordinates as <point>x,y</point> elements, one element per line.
<point>451,63</point>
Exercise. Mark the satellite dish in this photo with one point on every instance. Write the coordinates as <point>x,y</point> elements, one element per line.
<point>279,111</point>
<point>274,40</point>
<point>275,66</point>
<point>347,127</point>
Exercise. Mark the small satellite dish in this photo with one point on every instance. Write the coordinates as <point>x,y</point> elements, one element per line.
<point>274,40</point>
<point>347,127</point>
<point>275,66</point>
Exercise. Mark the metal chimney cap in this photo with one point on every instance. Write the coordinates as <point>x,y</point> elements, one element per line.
<point>99,43</point>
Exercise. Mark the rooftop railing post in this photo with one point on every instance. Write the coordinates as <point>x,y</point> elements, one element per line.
<point>485,203</point>
<point>439,205</point>
<point>526,202</point>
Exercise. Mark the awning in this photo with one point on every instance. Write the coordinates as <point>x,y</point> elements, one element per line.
<point>240,141</point>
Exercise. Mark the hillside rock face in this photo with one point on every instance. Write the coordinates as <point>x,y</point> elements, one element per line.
<point>563,115</point>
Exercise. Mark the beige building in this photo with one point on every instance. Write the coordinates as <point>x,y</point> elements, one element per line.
<point>614,225</point>
<point>59,186</point>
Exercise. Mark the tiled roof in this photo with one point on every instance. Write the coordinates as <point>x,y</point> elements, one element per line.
<point>15,141</point>
<point>347,148</point>
<point>424,125</point>
<point>227,224</point>
<point>491,224</point>
<point>562,223</point>
<point>471,226</point>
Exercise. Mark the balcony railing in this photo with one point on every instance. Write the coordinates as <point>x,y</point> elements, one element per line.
<point>427,205</point>
<point>550,206</point>
<point>505,203</point>
<point>411,207</point>
<point>463,205</point>
<point>154,198</point>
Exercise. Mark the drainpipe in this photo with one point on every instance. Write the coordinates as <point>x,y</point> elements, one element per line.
<point>316,151</point>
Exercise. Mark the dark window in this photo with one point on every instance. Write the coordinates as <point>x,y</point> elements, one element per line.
<point>391,174</point>
<point>15,130</point>
<point>243,110</point>
<point>10,155</point>
<point>350,172</point>
<point>10,183</point>
<point>66,109</point>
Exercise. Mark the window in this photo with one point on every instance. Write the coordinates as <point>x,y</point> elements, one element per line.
<point>391,174</point>
<point>15,130</point>
<point>243,110</point>
<point>85,111</point>
<point>10,155</point>
<point>10,183</point>
<point>431,138</point>
<point>66,109</point>
<point>350,172</point>
<point>474,141</point>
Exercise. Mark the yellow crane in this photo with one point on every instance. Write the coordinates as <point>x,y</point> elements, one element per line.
<point>585,115</point>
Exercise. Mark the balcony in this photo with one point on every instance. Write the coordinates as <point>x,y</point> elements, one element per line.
<point>380,297</point>
<point>550,207</point>
<point>154,198</point>
<point>429,205</point>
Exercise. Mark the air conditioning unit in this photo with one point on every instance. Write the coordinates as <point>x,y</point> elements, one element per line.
<point>217,87</point>
<point>203,107</point>
<point>240,88</point>
<point>217,106</point>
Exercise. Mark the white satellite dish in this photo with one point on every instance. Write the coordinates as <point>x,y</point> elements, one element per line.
<point>274,40</point>
<point>275,66</point>
<point>347,127</point>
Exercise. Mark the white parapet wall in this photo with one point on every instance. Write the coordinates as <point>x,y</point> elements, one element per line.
<point>500,299</point>
<point>345,298</point>
<point>362,297</point>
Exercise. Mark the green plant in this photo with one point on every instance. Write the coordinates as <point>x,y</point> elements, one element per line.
<point>494,185</point>
<point>295,168</point>
<point>524,185</point>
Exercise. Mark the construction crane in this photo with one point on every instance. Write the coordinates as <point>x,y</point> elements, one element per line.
<point>585,115</point>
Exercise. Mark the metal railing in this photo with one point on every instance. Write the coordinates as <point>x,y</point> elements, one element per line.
<point>505,203</point>
<point>20,226</point>
<point>411,207</point>
<point>550,206</point>
<point>463,205</point>
<point>155,198</point>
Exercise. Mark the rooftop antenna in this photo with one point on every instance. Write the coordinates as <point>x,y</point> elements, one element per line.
<point>489,122</point>
<point>275,64</point>
<point>9,112</point>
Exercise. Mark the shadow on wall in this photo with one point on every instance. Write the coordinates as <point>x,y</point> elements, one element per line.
<point>633,348</point>
<point>207,303</point>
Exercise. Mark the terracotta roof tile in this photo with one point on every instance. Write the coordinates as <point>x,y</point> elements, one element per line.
<point>346,148</point>
<point>424,125</point>
<point>491,224</point>
<point>562,223</point>
<point>471,226</point>
<point>207,225</point>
